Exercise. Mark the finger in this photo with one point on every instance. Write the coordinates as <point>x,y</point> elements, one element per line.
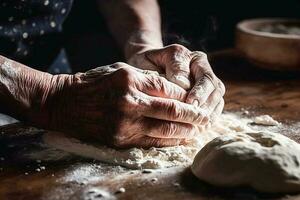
<point>175,59</point>
<point>147,142</point>
<point>201,91</point>
<point>221,87</point>
<point>213,100</point>
<point>217,112</point>
<point>199,65</point>
<point>166,129</point>
<point>170,110</point>
<point>178,69</point>
<point>154,85</point>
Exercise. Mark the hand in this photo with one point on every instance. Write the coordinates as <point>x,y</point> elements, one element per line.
<point>120,106</point>
<point>190,70</point>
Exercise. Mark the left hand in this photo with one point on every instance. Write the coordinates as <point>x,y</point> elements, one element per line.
<point>190,70</point>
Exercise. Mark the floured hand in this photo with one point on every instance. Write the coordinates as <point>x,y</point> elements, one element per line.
<point>122,106</point>
<point>190,70</point>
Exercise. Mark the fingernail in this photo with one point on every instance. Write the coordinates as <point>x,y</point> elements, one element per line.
<point>196,103</point>
<point>182,81</point>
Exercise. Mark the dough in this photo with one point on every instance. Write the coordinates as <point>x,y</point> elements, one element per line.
<point>265,161</point>
<point>266,120</point>
<point>152,158</point>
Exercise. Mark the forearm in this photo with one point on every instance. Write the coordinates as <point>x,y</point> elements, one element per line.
<point>22,89</point>
<point>135,24</point>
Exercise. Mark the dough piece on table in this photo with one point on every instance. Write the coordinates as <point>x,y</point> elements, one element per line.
<point>266,120</point>
<point>265,161</point>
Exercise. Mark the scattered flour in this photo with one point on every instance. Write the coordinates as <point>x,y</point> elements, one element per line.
<point>83,174</point>
<point>266,120</point>
<point>153,158</point>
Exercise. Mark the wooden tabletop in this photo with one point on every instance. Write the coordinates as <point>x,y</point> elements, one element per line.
<point>248,88</point>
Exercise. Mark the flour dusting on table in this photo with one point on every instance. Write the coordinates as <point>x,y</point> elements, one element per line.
<point>153,158</point>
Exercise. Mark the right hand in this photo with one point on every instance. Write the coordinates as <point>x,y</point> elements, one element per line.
<point>120,106</point>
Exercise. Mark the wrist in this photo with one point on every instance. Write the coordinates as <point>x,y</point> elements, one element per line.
<point>141,41</point>
<point>49,100</point>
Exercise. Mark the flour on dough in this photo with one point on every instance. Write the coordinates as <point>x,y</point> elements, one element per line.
<point>266,161</point>
<point>265,120</point>
<point>152,158</point>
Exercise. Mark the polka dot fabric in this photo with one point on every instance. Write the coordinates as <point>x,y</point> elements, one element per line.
<point>22,22</point>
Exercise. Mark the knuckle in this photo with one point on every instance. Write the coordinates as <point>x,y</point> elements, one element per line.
<point>198,118</point>
<point>174,111</point>
<point>118,65</point>
<point>199,55</point>
<point>158,84</point>
<point>210,76</point>
<point>198,94</point>
<point>125,76</point>
<point>177,48</point>
<point>169,129</point>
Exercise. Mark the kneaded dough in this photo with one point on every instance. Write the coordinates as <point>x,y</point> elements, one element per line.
<point>265,161</point>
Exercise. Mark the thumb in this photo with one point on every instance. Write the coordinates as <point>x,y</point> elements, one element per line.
<point>175,62</point>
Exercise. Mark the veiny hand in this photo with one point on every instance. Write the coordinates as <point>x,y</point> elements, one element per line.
<point>121,106</point>
<point>190,70</point>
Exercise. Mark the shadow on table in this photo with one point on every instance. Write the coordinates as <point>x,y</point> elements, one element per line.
<point>196,186</point>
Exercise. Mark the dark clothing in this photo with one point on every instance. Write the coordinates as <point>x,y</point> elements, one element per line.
<point>31,29</point>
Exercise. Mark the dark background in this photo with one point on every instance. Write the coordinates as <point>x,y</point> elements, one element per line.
<point>207,25</point>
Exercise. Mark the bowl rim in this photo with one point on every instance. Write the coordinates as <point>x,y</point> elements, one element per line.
<point>242,26</point>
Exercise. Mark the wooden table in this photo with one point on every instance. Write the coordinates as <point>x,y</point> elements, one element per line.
<point>248,88</point>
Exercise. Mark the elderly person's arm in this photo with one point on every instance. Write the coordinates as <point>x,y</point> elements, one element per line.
<point>115,104</point>
<point>136,25</point>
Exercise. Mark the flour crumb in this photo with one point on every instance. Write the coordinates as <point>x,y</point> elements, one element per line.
<point>266,120</point>
<point>121,190</point>
<point>154,179</point>
<point>176,184</point>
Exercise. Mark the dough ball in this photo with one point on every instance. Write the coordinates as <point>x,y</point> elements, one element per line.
<point>265,161</point>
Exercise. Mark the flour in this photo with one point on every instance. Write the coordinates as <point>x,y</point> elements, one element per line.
<point>8,73</point>
<point>265,120</point>
<point>153,158</point>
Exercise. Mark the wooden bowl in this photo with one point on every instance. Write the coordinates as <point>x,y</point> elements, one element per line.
<point>275,51</point>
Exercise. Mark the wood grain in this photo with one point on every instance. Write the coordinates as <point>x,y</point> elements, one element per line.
<point>250,88</point>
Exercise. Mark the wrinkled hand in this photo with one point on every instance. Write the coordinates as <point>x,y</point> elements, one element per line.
<point>190,70</point>
<point>121,106</point>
